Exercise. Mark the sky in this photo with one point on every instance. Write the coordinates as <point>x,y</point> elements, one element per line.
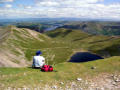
<point>93,9</point>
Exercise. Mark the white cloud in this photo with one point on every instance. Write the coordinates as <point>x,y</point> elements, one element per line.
<point>8,5</point>
<point>47,3</point>
<point>24,6</point>
<point>65,8</point>
<point>65,3</point>
<point>27,7</point>
<point>3,1</point>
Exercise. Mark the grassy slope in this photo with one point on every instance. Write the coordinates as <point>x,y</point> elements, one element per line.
<point>62,46</point>
<point>102,45</point>
<point>66,72</point>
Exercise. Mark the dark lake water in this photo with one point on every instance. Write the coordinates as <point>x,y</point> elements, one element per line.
<point>84,57</point>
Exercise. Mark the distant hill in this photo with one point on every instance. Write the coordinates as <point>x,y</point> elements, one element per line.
<point>99,28</point>
<point>96,27</point>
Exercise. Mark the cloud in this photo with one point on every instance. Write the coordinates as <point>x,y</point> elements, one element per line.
<point>3,1</point>
<point>47,3</point>
<point>64,3</point>
<point>28,7</point>
<point>8,5</point>
<point>25,6</point>
<point>95,9</point>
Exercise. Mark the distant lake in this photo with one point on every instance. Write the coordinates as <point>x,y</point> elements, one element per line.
<point>53,27</point>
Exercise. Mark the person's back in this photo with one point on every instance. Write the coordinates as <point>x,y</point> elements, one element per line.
<point>38,61</point>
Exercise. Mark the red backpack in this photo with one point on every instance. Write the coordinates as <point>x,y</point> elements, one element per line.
<point>47,68</point>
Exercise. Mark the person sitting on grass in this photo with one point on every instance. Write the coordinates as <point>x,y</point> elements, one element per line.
<point>38,61</point>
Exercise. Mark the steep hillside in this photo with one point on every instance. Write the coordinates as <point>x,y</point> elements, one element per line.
<point>19,45</point>
<point>103,45</point>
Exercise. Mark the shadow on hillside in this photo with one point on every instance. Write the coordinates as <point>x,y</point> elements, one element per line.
<point>112,50</point>
<point>63,34</point>
<point>66,32</point>
<point>83,38</point>
<point>84,57</point>
<point>102,40</point>
<point>53,35</point>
